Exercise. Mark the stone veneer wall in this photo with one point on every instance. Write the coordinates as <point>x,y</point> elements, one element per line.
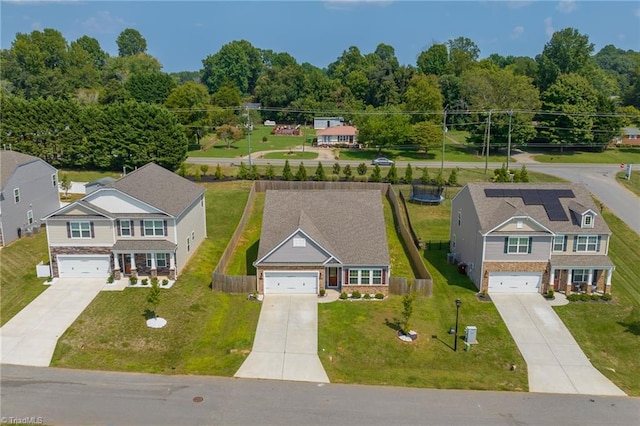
<point>371,289</point>
<point>55,251</point>
<point>539,267</point>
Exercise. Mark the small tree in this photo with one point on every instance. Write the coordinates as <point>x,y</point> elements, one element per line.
<point>501,174</point>
<point>348,174</point>
<point>336,169</point>
<point>65,184</point>
<point>392,176</point>
<point>320,176</point>
<point>408,301</point>
<point>229,134</point>
<point>523,176</point>
<point>153,298</point>
<point>286,171</point>
<point>439,180</point>
<point>408,174</point>
<point>243,172</point>
<point>453,178</point>
<point>197,176</point>
<point>301,174</point>
<point>253,173</point>
<point>218,173</point>
<point>182,170</point>
<point>362,169</point>
<point>425,179</point>
<point>270,173</point>
<point>376,175</point>
<point>204,168</point>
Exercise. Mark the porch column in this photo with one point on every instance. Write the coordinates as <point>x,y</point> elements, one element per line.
<point>154,269</point>
<point>172,266</point>
<point>607,287</point>
<point>589,281</point>
<point>116,266</point>
<point>134,271</point>
<point>552,278</point>
<point>568,290</point>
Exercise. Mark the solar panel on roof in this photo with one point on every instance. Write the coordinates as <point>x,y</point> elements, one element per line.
<point>493,192</point>
<point>548,198</point>
<point>512,192</point>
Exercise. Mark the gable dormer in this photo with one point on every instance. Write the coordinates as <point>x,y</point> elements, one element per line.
<point>585,216</point>
<point>588,219</point>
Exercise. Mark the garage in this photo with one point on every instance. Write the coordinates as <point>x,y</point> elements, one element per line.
<point>513,282</point>
<point>83,266</point>
<point>279,282</point>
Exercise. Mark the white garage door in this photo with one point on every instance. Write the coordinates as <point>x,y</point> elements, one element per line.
<point>83,266</point>
<point>290,282</point>
<point>512,282</point>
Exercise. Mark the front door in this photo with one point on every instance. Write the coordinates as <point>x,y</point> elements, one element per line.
<point>332,277</point>
<point>125,263</point>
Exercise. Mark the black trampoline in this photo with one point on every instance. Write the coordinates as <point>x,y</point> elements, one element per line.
<point>426,194</point>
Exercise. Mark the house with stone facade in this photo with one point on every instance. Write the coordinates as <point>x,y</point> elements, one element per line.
<point>323,239</point>
<point>28,192</point>
<point>147,223</point>
<point>529,238</point>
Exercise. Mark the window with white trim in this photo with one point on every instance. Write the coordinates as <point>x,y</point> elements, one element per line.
<point>587,221</point>
<point>29,217</point>
<point>518,245</point>
<point>16,195</point>
<point>376,277</point>
<point>559,243</point>
<point>80,229</point>
<point>519,224</point>
<point>299,242</point>
<point>125,228</point>
<point>193,235</point>
<point>587,243</point>
<point>161,260</point>
<point>580,275</point>
<point>153,228</point>
<point>188,244</point>
<point>365,276</point>
<point>459,217</point>
<point>353,276</point>
<point>54,180</point>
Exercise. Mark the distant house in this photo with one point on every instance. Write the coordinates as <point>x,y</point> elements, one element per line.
<point>97,184</point>
<point>341,135</point>
<point>149,223</point>
<point>630,136</point>
<point>326,122</point>
<point>314,240</point>
<point>29,188</point>
<point>528,238</point>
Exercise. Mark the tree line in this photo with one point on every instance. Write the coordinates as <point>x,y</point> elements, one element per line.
<point>565,96</point>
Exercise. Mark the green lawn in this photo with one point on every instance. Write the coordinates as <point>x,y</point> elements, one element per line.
<point>207,332</point>
<point>290,155</point>
<point>18,282</point>
<point>611,155</point>
<point>246,251</point>
<point>632,184</point>
<point>453,152</point>
<point>87,175</point>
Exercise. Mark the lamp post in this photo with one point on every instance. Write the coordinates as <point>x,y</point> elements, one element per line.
<point>455,334</point>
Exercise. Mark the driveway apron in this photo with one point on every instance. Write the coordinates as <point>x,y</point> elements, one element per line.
<point>30,337</point>
<point>555,362</point>
<point>286,341</point>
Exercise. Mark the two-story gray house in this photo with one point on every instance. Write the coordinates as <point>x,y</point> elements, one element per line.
<point>528,238</point>
<point>29,192</point>
<point>147,223</point>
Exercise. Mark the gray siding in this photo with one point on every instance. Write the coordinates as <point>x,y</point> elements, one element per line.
<point>468,239</point>
<point>37,193</point>
<point>540,249</point>
<point>192,220</point>
<point>286,253</point>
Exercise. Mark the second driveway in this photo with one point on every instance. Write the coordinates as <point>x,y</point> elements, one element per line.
<point>555,362</point>
<point>30,337</point>
<point>286,342</point>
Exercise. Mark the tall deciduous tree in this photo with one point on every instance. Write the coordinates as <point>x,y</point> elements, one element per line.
<point>434,60</point>
<point>423,98</point>
<point>229,134</point>
<point>130,42</point>
<point>189,103</point>
<point>567,52</point>
<point>383,126</point>
<point>239,62</point>
<point>151,87</point>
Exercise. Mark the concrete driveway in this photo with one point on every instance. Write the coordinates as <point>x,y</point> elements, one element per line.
<point>30,337</point>
<point>286,342</point>
<point>555,362</point>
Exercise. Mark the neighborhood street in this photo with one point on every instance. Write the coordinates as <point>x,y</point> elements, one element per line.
<point>78,397</point>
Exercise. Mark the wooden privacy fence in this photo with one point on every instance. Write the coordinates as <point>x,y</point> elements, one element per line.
<point>234,283</point>
<point>400,285</point>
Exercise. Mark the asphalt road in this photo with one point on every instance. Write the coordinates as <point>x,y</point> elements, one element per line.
<point>77,397</point>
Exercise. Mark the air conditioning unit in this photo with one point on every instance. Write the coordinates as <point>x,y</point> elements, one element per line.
<point>470,334</point>
<point>451,258</point>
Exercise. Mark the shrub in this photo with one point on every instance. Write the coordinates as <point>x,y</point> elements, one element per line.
<point>453,178</point>
<point>204,168</point>
<point>301,175</point>
<point>595,297</point>
<point>145,281</point>
<point>348,174</point>
<point>253,173</point>
<point>264,139</point>
<point>343,295</point>
<point>110,279</point>
<point>584,297</point>
<point>218,173</point>
<point>197,175</point>
<point>320,176</point>
<point>243,172</point>
<point>50,278</point>
<point>270,173</point>
<point>133,280</point>
<point>165,282</point>
<point>425,179</point>
<point>606,297</point>
<point>376,175</point>
<point>366,296</point>
<point>323,292</point>
<point>287,174</point>
<point>550,293</point>
<point>362,169</point>
<point>573,297</point>
<point>408,174</point>
<point>336,169</point>
<point>154,280</point>
<point>379,296</point>
<point>356,294</point>
<point>392,176</point>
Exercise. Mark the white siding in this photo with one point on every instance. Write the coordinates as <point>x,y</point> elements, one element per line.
<point>116,202</point>
<point>193,220</point>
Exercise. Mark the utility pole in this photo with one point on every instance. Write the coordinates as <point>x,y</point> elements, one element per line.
<point>249,134</point>
<point>509,140</point>
<point>444,137</point>
<point>486,159</point>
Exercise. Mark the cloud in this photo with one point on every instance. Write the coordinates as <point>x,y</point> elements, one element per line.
<point>566,6</point>
<point>517,32</point>
<point>103,23</point>
<point>514,4</point>
<point>637,12</point>
<point>548,27</point>
<point>36,26</point>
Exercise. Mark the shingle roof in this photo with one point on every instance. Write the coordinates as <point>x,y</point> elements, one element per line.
<point>631,131</point>
<point>492,211</point>
<point>568,261</point>
<point>337,131</point>
<point>144,245</point>
<point>160,188</point>
<point>350,224</point>
<point>10,161</point>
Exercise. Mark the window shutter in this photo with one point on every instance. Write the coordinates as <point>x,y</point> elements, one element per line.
<point>142,228</point>
<point>93,234</point>
<point>68,230</point>
<point>346,276</point>
<point>530,244</point>
<point>132,228</point>
<point>165,228</point>
<point>599,240</point>
<point>384,276</point>
<point>575,242</point>
<point>506,244</point>
<point>564,246</point>
<point>118,226</point>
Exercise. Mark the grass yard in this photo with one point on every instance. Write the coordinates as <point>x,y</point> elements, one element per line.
<point>18,282</point>
<point>246,251</point>
<point>610,155</point>
<point>453,152</point>
<point>632,184</point>
<point>609,333</point>
<point>207,332</point>
<point>87,176</point>
<point>291,155</point>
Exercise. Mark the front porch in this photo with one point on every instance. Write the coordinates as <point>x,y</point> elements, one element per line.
<point>144,259</point>
<point>581,274</point>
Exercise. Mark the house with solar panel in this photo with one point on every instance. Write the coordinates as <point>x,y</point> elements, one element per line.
<point>529,238</point>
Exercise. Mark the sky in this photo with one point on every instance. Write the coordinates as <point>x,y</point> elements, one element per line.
<point>180,34</point>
